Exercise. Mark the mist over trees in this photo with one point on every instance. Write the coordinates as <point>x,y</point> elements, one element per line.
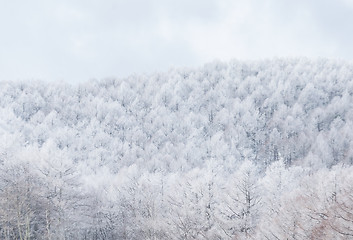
<point>237,150</point>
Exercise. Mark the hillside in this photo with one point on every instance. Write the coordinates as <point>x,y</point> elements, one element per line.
<point>237,149</point>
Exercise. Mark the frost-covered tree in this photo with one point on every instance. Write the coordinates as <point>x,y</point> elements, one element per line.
<point>236,149</point>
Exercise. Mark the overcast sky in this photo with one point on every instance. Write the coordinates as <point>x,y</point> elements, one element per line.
<point>77,40</point>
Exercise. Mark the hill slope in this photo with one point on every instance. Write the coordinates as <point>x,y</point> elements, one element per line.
<point>296,109</point>
<point>185,131</point>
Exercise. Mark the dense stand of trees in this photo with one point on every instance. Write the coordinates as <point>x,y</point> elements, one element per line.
<point>258,150</point>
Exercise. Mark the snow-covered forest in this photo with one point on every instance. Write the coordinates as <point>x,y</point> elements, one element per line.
<point>236,150</point>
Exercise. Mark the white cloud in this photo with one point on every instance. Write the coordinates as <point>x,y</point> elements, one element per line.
<point>77,40</point>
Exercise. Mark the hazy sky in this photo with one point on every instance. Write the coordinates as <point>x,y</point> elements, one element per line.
<point>77,40</point>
